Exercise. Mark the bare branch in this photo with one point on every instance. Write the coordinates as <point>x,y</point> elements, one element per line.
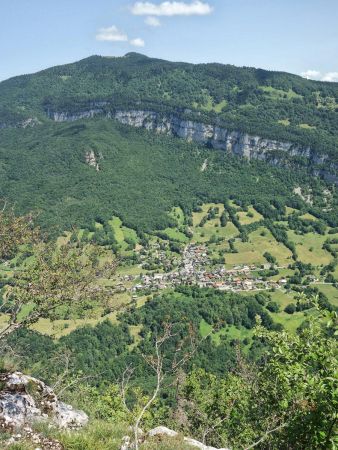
<point>266,435</point>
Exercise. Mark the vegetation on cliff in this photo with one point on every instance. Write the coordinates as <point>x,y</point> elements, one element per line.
<point>269,104</point>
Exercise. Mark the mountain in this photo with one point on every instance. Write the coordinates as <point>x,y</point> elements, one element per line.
<point>75,172</point>
<point>193,278</point>
<point>270,104</point>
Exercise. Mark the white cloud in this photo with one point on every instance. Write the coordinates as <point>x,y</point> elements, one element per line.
<point>330,76</point>
<point>111,34</point>
<point>311,75</point>
<point>138,42</point>
<point>316,75</point>
<point>152,21</point>
<point>171,8</point>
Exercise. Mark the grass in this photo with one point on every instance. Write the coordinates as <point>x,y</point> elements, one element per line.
<point>308,216</point>
<point>231,332</point>
<point>289,321</point>
<point>309,248</point>
<point>64,239</point>
<point>283,273</point>
<point>278,94</point>
<point>98,435</point>
<point>102,435</point>
<point>285,122</point>
<point>219,106</point>
<point>211,227</point>
<point>128,233</point>
<point>198,216</point>
<point>330,291</point>
<point>306,126</point>
<point>202,235</point>
<point>251,252</point>
<point>61,327</point>
<point>129,270</point>
<point>175,235</point>
<point>282,298</point>
<point>135,333</point>
<point>3,320</point>
<point>211,106</point>
<point>245,219</point>
<point>178,215</point>
<point>116,224</point>
<point>290,210</point>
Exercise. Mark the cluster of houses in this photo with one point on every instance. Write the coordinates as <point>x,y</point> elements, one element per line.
<point>157,255</point>
<point>194,270</point>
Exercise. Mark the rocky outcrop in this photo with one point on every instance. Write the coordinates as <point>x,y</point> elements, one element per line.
<point>71,117</point>
<point>92,159</point>
<point>30,122</point>
<point>25,400</point>
<point>161,432</point>
<point>95,108</point>
<point>233,142</point>
<point>236,142</point>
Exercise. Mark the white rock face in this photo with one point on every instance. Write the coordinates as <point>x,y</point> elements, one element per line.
<point>233,142</point>
<point>238,143</point>
<point>197,444</point>
<point>92,160</point>
<point>24,400</point>
<point>164,431</point>
<point>71,117</point>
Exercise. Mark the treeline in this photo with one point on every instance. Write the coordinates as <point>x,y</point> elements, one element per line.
<point>104,351</point>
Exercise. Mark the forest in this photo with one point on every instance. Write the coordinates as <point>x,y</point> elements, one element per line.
<point>276,105</point>
<point>44,169</point>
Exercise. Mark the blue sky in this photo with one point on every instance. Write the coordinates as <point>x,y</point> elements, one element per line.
<point>299,36</point>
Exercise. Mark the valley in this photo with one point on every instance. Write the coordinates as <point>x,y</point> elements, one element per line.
<point>224,247</point>
<point>169,253</point>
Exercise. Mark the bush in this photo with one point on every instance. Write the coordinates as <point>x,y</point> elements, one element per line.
<point>272,307</point>
<point>290,309</point>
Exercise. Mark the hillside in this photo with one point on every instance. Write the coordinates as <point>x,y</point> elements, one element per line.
<point>47,163</point>
<point>275,105</point>
<point>141,176</point>
<point>193,281</point>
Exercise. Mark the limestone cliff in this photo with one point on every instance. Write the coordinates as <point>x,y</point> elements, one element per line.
<point>234,142</point>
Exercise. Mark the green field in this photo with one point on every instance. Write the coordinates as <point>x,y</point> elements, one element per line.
<point>245,219</point>
<point>175,235</point>
<point>230,332</point>
<point>251,252</point>
<point>309,248</point>
<point>330,291</point>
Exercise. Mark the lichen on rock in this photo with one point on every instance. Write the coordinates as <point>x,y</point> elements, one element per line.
<point>25,400</point>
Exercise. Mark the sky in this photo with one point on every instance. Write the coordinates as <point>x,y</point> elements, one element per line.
<point>298,36</point>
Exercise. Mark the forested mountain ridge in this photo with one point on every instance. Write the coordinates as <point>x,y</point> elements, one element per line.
<point>272,105</point>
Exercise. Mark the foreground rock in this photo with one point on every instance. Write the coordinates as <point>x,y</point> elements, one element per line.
<point>164,432</point>
<point>24,400</point>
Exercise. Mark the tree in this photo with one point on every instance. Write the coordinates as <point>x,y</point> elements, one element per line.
<point>290,401</point>
<point>55,276</point>
<point>15,231</point>
<point>290,308</point>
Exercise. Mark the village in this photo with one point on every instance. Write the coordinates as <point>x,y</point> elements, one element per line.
<point>194,269</point>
